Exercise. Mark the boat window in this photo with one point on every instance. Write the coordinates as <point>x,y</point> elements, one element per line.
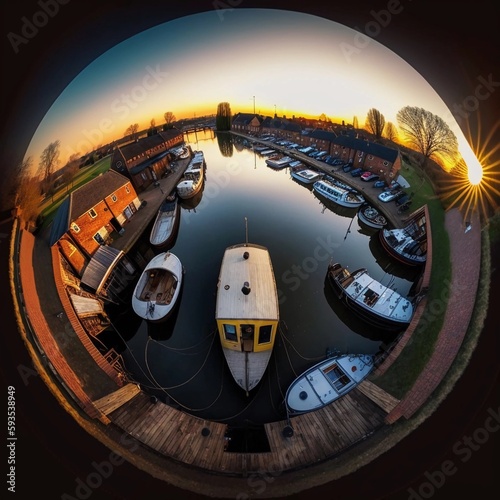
<point>265,334</point>
<point>230,332</point>
<point>247,331</point>
<point>337,376</point>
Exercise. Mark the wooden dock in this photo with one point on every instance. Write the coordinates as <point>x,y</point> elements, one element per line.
<point>316,436</point>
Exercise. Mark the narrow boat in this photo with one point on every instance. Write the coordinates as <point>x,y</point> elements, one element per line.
<point>373,302</point>
<point>406,246</point>
<point>155,294</point>
<point>337,194</point>
<point>166,222</point>
<point>306,175</point>
<point>247,311</point>
<point>371,217</point>
<point>267,152</point>
<point>278,162</point>
<point>327,381</point>
<point>296,164</point>
<point>193,177</point>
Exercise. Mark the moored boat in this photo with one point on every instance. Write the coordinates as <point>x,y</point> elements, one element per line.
<point>338,194</point>
<point>157,290</point>
<point>404,246</point>
<point>166,222</point>
<point>371,217</point>
<point>193,177</point>
<point>327,381</point>
<point>373,302</point>
<point>247,311</point>
<point>278,162</point>
<point>306,175</point>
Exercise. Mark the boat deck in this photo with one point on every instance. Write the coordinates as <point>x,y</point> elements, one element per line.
<point>159,287</point>
<point>317,435</point>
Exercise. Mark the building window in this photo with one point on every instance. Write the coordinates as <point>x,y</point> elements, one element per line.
<point>92,213</point>
<point>127,189</point>
<point>97,237</point>
<point>75,227</point>
<point>113,197</point>
<point>370,157</point>
<point>386,163</point>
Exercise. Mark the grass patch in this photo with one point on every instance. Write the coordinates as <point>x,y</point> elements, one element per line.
<point>403,373</point>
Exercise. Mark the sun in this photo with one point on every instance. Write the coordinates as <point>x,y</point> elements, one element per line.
<point>474,183</point>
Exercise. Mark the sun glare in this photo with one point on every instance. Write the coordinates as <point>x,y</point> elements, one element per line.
<point>474,183</point>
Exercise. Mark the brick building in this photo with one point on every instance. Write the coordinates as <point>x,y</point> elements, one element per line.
<point>90,214</point>
<point>148,159</point>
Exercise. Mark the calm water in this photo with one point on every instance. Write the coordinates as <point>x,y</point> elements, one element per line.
<point>181,361</point>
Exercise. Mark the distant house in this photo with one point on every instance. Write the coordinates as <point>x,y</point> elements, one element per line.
<point>90,214</point>
<point>376,158</point>
<point>247,123</point>
<point>318,138</point>
<point>281,128</point>
<point>148,159</point>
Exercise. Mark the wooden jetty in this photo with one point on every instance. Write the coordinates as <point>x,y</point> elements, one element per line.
<point>315,436</point>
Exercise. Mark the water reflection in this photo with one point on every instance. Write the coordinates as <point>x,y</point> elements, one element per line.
<point>181,362</point>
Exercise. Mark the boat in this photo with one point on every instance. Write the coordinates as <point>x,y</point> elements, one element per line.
<point>157,290</point>
<point>373,302</point>
<point>296,164</point>
<point>267,152</point>
<point>278,162</point>
<point>247,311</point>
<point>193,177</point>
<point>327,381</point>
<point>371,217</point>
<point>408,244</point>
<point>166,222</point>
<point>306,175</point>
<point>337,194</point>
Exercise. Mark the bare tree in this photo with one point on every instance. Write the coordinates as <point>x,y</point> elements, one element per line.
<point>70,170</point>
<point>26,191</point>
<point>132,130</point>
<point>49,159</point>
<point>152,123</point>
<point>355,123</point>
<point>375,122</point>
<point>427,133</point>
<point>390,131</point>
<point>169,118</point>
<point>223,117</point>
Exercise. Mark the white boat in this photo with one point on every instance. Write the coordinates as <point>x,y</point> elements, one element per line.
<point>296,164</point>
<point>279,162</point>
<point>373,302</point>
<point>193,177</point>
<point>407,246</point>
<point>371,217</point>
<point>155,294</point>
<point>338,194</point>
<point>326,382</point>
<point>247,311</point>
<point>267,152</point>
<point>166,222</point>
<point>306,175</point>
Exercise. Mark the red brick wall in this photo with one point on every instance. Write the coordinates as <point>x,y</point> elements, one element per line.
<point>89,226</point>
<point>123,199</point>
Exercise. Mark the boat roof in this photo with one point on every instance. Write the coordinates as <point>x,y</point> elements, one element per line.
<point>257,270</point>
<point>379,298</point>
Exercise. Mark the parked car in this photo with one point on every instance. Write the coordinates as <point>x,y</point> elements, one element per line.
<point>401,200</point>
<point>347,167</point>
<point>386,196</point>
<point>393,185</point>
<point>379,184</point>
<point>357,172</point>
<point>369,176</point>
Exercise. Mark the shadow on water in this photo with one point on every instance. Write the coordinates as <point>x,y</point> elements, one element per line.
<point>164,330</point>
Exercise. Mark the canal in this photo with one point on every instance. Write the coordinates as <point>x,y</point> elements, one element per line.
<point>181,361</point>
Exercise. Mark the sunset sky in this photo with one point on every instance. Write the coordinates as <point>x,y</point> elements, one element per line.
<point>302,64</point>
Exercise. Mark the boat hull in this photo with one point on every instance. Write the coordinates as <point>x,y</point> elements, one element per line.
<point>165,226</point>
<point>326,382</point>
<point>338,195</point>
<point>372,217</point>
<point>158,288</point>
<point>306,176</point>
<point>406,258</point>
